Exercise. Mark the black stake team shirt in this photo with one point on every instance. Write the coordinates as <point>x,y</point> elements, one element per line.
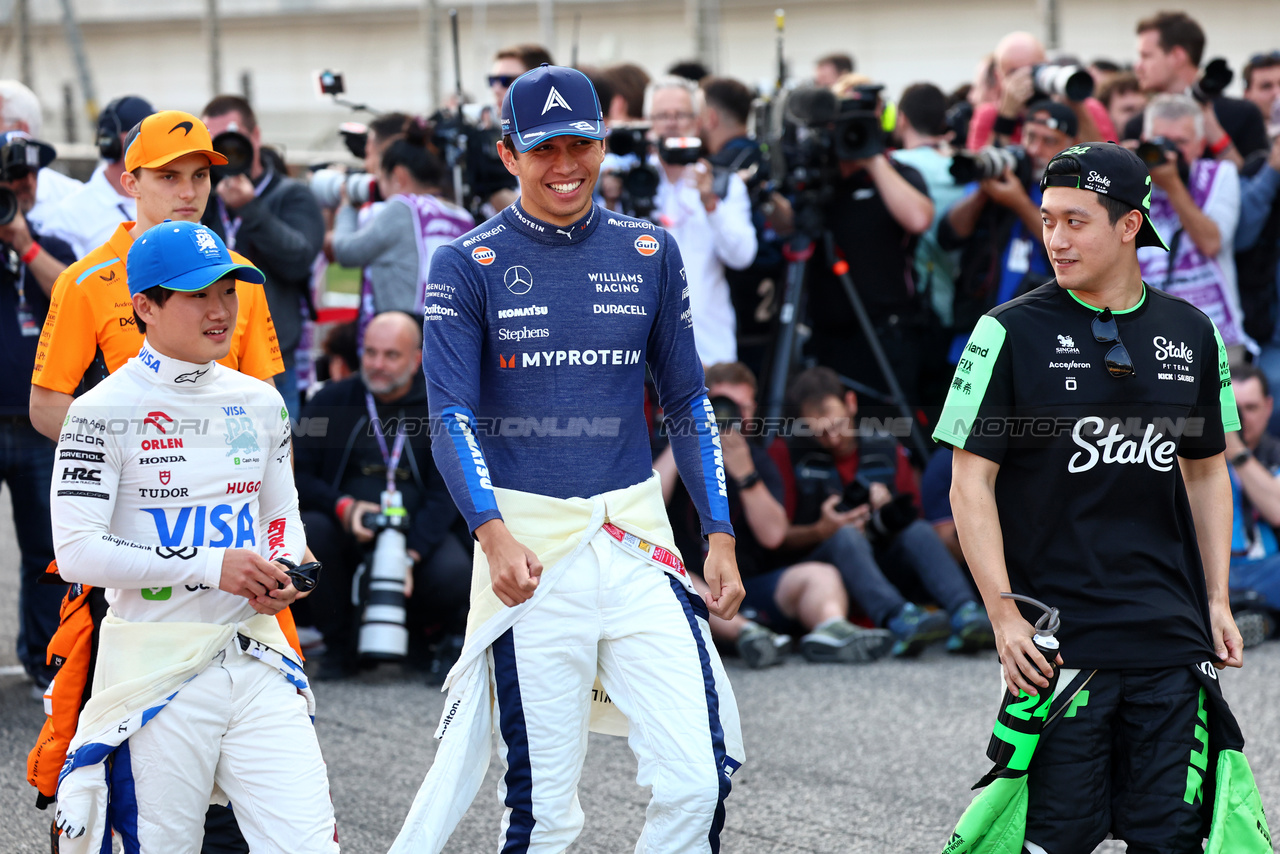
<point>1092,505</point>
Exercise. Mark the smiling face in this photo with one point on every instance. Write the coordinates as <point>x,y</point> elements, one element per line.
<point>1084,247</point>
<point>556,176</point>
<point>195,326</point>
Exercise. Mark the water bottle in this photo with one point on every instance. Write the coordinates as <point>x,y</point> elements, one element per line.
<point>1022,718</point>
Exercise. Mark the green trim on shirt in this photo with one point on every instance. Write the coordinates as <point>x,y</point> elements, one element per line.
<point>1227,396</point>
<point>1137,306</point>
<point>969,385</point>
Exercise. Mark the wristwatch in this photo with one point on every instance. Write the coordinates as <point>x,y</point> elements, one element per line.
<point>748,481</point>
<point>1241,458</point>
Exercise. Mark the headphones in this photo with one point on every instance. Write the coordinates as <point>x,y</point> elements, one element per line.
<point>109,130</point>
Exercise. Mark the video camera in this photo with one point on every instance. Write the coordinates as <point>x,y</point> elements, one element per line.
<point>20,156</point>
<point>379,583</point>
<point>816,133</point>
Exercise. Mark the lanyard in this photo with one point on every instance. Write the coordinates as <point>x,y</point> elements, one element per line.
<point>391,458</point>
<point>231,226</point>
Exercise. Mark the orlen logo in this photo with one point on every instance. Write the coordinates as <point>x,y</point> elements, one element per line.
<point>483,255</point>
<point>646,244</point>
<point>155,419</point>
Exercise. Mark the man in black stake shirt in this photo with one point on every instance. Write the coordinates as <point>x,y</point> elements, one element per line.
<point>1088,419</point>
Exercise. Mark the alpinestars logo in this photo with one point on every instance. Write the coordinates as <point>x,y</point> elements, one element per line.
<point>1067,344</point>
<point>555,99</point>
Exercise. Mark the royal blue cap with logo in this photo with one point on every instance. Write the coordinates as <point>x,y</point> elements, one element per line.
<point>548,101</point>
<point>183,256</point>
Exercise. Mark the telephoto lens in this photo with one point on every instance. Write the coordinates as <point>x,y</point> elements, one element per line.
<point>1152,151</point>
<point>8,206</point>
<point>987,162</point>
<point>238,149</point>
<point>1070,80</point>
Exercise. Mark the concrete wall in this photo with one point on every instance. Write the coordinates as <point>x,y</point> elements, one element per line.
<point>157,48</point>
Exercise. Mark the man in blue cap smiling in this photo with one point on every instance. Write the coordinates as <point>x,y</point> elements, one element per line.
<point>539,327</point>
<point>176,495</point>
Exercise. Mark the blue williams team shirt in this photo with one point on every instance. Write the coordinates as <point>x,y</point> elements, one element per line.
<point>535,342</point>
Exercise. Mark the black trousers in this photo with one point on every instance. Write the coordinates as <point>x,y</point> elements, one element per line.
<point>1128,757</point>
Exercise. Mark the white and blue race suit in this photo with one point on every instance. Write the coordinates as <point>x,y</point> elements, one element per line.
<point>536,342</point>
<point>160,469</point>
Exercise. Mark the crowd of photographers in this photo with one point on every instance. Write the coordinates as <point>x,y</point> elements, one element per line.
<point>839,243</point>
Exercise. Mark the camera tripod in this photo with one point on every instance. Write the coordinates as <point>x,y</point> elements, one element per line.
<point>799,252</point>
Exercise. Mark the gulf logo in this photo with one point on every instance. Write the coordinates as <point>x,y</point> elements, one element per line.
<point>646,244</point>
<point>483,255</point>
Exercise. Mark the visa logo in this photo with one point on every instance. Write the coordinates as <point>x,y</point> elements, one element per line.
<point>233,410</point>
<point>216,521</point>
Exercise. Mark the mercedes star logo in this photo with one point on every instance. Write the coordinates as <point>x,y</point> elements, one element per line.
<point>518,280</point>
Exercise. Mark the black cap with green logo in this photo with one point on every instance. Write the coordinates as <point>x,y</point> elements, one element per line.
<point>1109,170</point>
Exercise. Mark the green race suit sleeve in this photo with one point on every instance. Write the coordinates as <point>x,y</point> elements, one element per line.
<point>1215,413</point>
<point>980,399</point>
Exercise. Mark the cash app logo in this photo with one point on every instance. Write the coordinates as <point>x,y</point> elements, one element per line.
<point>156,594</point>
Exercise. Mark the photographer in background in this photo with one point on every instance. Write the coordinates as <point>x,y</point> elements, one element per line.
<point>341,477</point>
<point>1016,56</point>
<point>806,598</point>
<point>1170,47</point>
<point>857,501</point>
<point>88,217</point>
<point>926,147</point>
<point>997,227</point>
<point>877,210</point>
<point>29,265</point>
<point>708,213</point>
<point>755,291</point>
<point>1195,205</point>
<point>272,220</point>
<point>20,111</point>
<point>395,246</point>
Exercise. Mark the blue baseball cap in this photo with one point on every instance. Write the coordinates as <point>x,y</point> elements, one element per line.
<point>548,101</point>
<point>182,256</point>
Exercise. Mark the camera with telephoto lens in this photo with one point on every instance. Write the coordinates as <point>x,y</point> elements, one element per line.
<point>1074,82</point>
<point>238,149</point>
<point>1213,82</point>
<point>991,161</point>
<point>728,413</point>
<point>378,587</point>
<point>326,186</point>
<point>1152,153</point>
<point>887,522</point>
<point>20,157</point>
